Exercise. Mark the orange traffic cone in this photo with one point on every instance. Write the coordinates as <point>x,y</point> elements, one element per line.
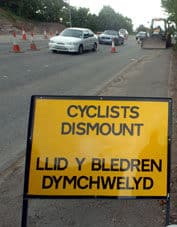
<point>51,34</point>
<point>32,44</point>
<point>24,35</point>
<point>16,47</point>
<point>113,49</point>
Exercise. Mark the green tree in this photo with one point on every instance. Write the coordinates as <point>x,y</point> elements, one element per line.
<point>109,19</point>
<point>171,8</point>
<point>92,22</point>
<point>43,10</point>
<point>12,5</point>
<point>142,28</point>
<point>53,10</point>
<point>79,17</point>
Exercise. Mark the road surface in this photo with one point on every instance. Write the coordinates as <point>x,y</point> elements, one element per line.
<point>129,72</point>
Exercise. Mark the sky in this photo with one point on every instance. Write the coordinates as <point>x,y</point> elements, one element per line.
<point>140,11</point>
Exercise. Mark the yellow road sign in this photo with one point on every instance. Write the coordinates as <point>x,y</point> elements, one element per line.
<point>105,147</point>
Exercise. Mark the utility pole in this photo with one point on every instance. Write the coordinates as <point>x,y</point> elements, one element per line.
<point>70,17</point>
<point>70,20</point>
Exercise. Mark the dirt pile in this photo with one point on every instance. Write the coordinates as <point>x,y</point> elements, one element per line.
<point>6,26</point>
<point>10,24</point>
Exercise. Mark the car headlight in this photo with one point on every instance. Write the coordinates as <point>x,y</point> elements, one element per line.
<point>71,43</point>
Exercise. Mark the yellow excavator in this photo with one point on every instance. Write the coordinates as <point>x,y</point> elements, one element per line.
<point>159,35</point>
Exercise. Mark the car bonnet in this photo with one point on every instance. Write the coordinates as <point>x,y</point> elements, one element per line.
<point>65,39</point>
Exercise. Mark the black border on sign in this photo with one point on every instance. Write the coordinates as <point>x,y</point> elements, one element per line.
<point>30,134</point>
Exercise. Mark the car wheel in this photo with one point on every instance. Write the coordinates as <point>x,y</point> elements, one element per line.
<point>94,47</point>
<point>54,51</point>
<point>80,50</point>
<point>116,42</point>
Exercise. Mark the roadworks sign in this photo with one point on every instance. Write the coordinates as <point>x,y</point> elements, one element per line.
<point>98,147</point>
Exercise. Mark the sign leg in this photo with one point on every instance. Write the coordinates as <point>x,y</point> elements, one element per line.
<point>24,213</point>
<point>168,211</point>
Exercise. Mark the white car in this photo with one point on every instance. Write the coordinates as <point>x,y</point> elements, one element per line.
<point>141,35</point>
<point>124,33</point>
<point>108,35</point>
<point>75,40</point>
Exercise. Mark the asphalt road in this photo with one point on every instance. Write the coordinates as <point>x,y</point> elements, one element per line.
<point>129,72</point>
<point>41,72</point>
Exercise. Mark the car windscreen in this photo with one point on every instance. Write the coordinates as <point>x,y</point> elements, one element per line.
<point>110,32</point>
<point>142,33</point>
<point>72,33</point>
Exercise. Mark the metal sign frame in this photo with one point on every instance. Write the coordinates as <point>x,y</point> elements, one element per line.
<point>103,98</point>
